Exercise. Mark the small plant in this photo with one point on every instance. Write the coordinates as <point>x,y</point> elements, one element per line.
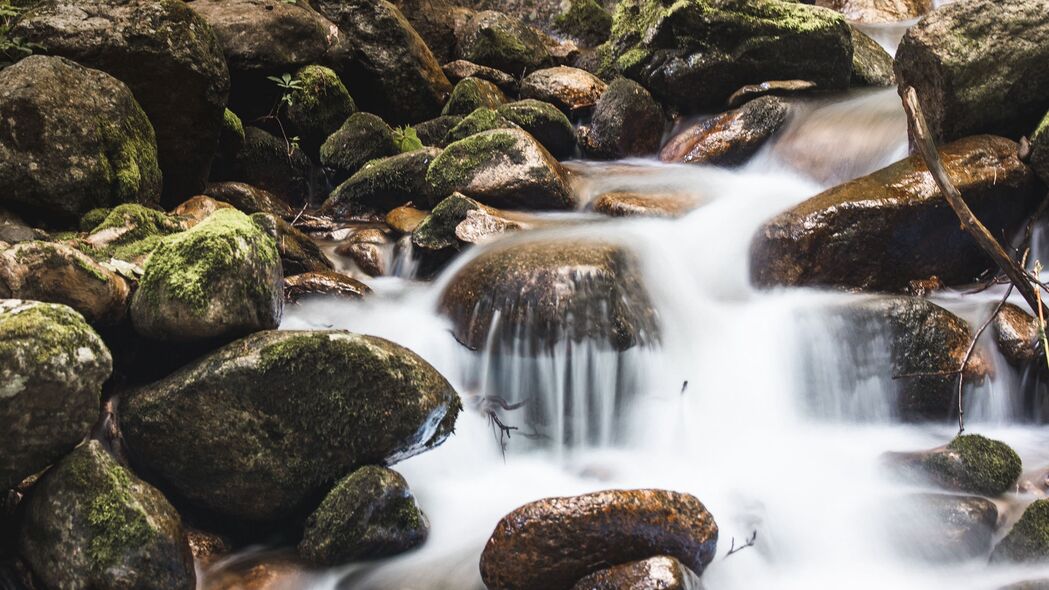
<point>407,139</point>
<point>11,48</point>
<point>288,84</point>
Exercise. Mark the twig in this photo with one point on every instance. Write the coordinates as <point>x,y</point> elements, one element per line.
<point>969,353</point>
<point>301,211</point>
<point>750,543</point>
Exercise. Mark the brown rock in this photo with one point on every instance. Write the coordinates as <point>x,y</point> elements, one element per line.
<point>367,248</point>
<point>878,11</point>
<point>1016,334</point>
<point>248,199</point>
<point>569,89</point>
<point>405,219</point>
<point>197,209</point>
<point>625,204</point>
<point>307,284</point>
<point>461,69</point>
<point>771,88</point>
<point>627,122</point>
<point>654,573</point>
<point>729,139</point>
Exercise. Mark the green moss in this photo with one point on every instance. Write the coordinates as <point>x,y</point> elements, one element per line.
<point>94,218</point>
<point>45,334</point>
<point>319,107</point>
<point>471,94</point>
<point>482,119</point>
<point>987,467</point>
<point>1042,131</point>
<point>454,168</point>
<point>585,20</point>
<point>437,231</point>
<point>1029,538</point>
<point>232,125</point>
<point>131,161</point>
<point>135,230</point>
<point>320,85</point>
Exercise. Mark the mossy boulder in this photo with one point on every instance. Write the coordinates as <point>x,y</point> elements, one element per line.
<point>361,138</point>
<point>370,513</point>
<point>1028,540</point>
<point>693,54</point>
<point>249,199</point>
<point>318,107</point>
<point>384,184</point>
<point>298,252</point>
<point>871,64</point>
<point>257,428</point>
<point>627,122</point>
<point>483,119</point>
<point>970,463</point>
<point>433,132</point>
<point>661,572</point>
<point>502,42</point>
<point>129,232</point>
<point>728,139</point>
<point>570,89</point>
<point>219,279</point>
<point>1040,149</point>
<point>271,163</point>
<point>503,168</point>
<point>585,20</point>
<point>74,139</point>
<point>545,122</point>
<point>471,94</point>
<point>52,366</point>
<point>90,523</point>
<point>438,231</point>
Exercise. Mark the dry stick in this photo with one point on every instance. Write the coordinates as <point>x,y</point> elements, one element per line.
<point>969,353</point>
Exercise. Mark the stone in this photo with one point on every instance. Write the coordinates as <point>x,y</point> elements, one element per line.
<point>272,164</point>
<point>942,527</point>
<point>1016,334</point>
<point>363,137</point>
<point>483,119</point>
<point>728,139</point>
<point>384,184</point>
<point>627,122</point>
<point>970,464</point>
<point>440,229</point>
<point>1028,540</point>
<point>405,219</point>
<point>770,88</point>
<point>367,248</point>
<point>654,573</point>
<point>878,11</point>
<point>298,252</point>
<point>248,199</point>
<point>436,21</point>
<point>318,107</point>
<point>543,121</point>
<point>503,42</point>
<point>585,20</point>
<point>461,69</point>
<point>627,204</point>
<point>432,133</point>
<point>310,284</point>
<point>471,94</point>
<point>129,233</point>
<point>570,89</point>
<point>198,209</point>
<point>871,64</point>
<point>231,136</point>
<point>14,230</point>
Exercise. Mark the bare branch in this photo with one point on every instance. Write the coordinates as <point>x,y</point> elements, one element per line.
<point>732,550</point>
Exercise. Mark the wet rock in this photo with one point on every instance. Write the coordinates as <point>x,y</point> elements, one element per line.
<point>586,21</point>
<point>441,229</point>
<point>471,94</point>
<point>729,139</point>
<point>207,547</point>
<point>370,513</point>
<point>553,291</point>
<point>771,88</point>
<point>1016,334</point>
<point>543,121</point>
<point>871,64</point>
<point>433,132</point>
<point>90,523</point>
<point>367,249</point>
<point>550,544</point>
<point>1028,540</point>
<point>363,137</point>
<point>73,139</point>
<point>964,60</point>
<point>627,122</point>
<point>267,571</point>
<point>318,107</point>
<point>198,209</point>
<point>878,11</point>
<point>502,42</point>
<point>898,211</point>
<point>502,168</point>
<point>168,57</point>
<point>248,199</point>
<point>483,119</point>
<point>52,366</point>
<point>358,400</point>
<point>654,573</point>
<point>405,219</point>
<point>129,233</point>
<point>742,42</point>
<point>219,279</point>
<point>1040,149</point>
<point>384,184</point>
<point>626,204</point>
<point>272,164</point>
<point>569,89</point>
<point>302,286</point>
<point>298,252</point>
<point>942,527</point>
<point>970,463</point>
<point>461,69</point>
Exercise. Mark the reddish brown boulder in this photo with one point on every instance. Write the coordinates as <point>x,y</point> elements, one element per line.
<point>323,283</point>
<point>728,139</point>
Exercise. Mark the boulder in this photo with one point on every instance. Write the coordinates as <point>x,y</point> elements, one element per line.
<point>483,119</point>
<point>552,543</point>
<point>503,42</point>
<point>231,137</point>
<point>970,464</point>
<point>436,21</point>
<point>543,121</point>
<point>248,199</point>
<point>693,54</point>
<point>461,69</point>
<point>878,11</point>
<point>1028,540</point>
<point>198,209</point>
<point>298,252</point>
<point>1040,149</point>
<point>772,88</point>
<point>169,58</point>
<point>367,249</point>
<point>570,89</point>
<point>384,184</point>
<point>964,61</point>
<point>728,139</point>
<point>218,280</point>
<point>318,107</point>
<point>502,168</point>
<point>881,231</point>
<point>90,523</point>
<point>627,122</point>
<point>654,573</point>
<point>1016,334</point>
<point>363,137</point>
<point>534,13</point>
<point>73,139</point>
<point>627,204</point>
<point>871,64</point>
<point>433,132</point>
<point>129,233</point>
<point>271,163</point>
<point>441,229</point>
<point>358,400</point>
<point>404,220</point>
<point>309,284</point>
<point>370,513</point>
<point>14,230</point>
<point>52,366</point>
<point>471,94</point>
<point>586,21</point>
<point>942,527</point>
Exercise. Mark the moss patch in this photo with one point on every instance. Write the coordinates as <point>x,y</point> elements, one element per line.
<point>43,334</point>
<point>453,169</point>
<point>471,94</point>
<point>585,20</point>
<point>977,464</point>
<point>1029,538</point>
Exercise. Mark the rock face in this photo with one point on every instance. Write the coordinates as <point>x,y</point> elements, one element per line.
<point>552,543</point>
<point>90,523</point>
<point>471,94</point>
<point>357,400</point>
<point>964,61</point>
<point>370,513</point>
<point>627,122</point>
<point>970,463</point>
<point>694,54</point>
<point>1016,334</point>
<point>878,11</point>
<point>884,230</point>
<point>52,366</point>
<point>503,168</point>
<point>729,139</point>
<point>73,139</point>
<point>363,137</point>
<point>502,42</point>
<point>1028,541</point>
<point>220,279</point>
<point>654,573</point>
<point>545,123</point>
<point>382,185</point>
<point>569,89</point>
<point>942,527</point>
<point>166,54</point>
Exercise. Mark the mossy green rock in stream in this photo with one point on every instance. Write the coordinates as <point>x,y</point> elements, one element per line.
<point>1028,540</point>
<point>318,108</point>
<point>693,54</point>
<point>871,64</point>
<point>437,231</point>
<point>262,425</point>
<point>585,20</point>
<point>370,513</point>
<point>73,139</point>
<point>1040,149</point>
<point>363,137</point>
<point>545,122</point>
<point>483,119</point>
<point>471,94</point>
<point>975,464</point>
<point>90,523</point>
<point>382,185</point>
<point>502,42</point>
<point>220,279</point>
<point>128,232</point>
<point>52,366</point>
<point>504,168</point>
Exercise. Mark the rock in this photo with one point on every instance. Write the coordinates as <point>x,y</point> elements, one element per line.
<point>299,287</point>
<point>52,366</point>
<point>501,168</point>
<point>57,273</point>
<point>367,248</point>
<point>318,107</point>
<point>728,139</point>
<point>942,527</point>
<point>440,230</point>
<point>1040,149</point>
<point>90,523</point>
<point>129,233</point>
<point>898,211</point>
<point>654,573</point>
<point>970,463</point>
<point>363,137</point>
<point>556,290</point>
<point>871,64</point>
<point>384,184</point>
<point>267,571</point>
<point>534,13</point>
<point>626,204</point>
<point>543,121</point>
<point>1028,540</point>
<point>219,279</point>
<point>878,11</point>
<point>502,42</point>
<point>168,57</point>
<point>405,219</point>
<point>471,94</point>
<point>248,199</point>
<point>741,42</point>
<point>552,543</point>
<point>370,513</point>
<point>198,209</point>
<point>231,137</point>
<point>569,89</point>
<point>483,119</point>
<point>391,70</point>
<point>586,21</point>
<point>461,69</point>
<point>433,132</point>
<point>1016,334</point>
<point>1028,585</point>
<point>207,547</point>
<point>436,21</point>
<point>74,139</point>
<point>298,252</point>
<point>13,230</point>
<point>964,60</point>
<point>358,400</point>
<point>771,88</point>
<point>627,122</point>
<point>272,164</point>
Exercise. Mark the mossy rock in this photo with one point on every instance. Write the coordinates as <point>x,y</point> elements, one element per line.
<point>1028,540</point>
<point>502,42</point>
<point>471,94</point>
<point>483,119</point>
<point>585,20</point>
<point>437,230</point>
<point>384,184</point>
<point>261,426</point>
<point>298,252</point>
<point>318,108</point>
<point>369,514</point>
<point>433,132</point>
<point>231,137</point>
<point>363,137</point>
<point>130,233</point>
<point>220,279</point>
<point>52,366</point>
<point>272,164</point>
<point>974,464</point>
<point>1040,149</point>
<point>249,199</point>
<point>871,64</point>
<point>545,122</point>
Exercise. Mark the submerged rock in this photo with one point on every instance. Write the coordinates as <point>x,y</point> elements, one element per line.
<point>471,94</point>
<point>878,11</point>
<point>552,543</point>
<point>1028,540</point>
<point>729,139</point>
<point>569,89</point>
<point>970,463</point>
<point>1016,334</point>
<point>942,527</point>
<point>363,137</point>
<point>627,122</point>
<point>382,185</point>
<point>302,286</point>
<point>543,121</point>
<point>626,204</point>
<point>502,42</point>
<point>654,573</point>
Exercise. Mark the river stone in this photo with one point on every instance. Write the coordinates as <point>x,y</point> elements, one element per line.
<point>248,199</point>
<point>52,366</point>
<point>471,94</point>
<point>1028,540</point>
<point>363,137</point>
<point>1016,334</point>
<point>169,58</point>
<point>728,139</point>
<point>318,108</point>
<point>260,426</point>
<point>404,220</point>
<point>942,527</point>
<point>693,54</point>
<point>298,252</point>
<point>585,20</point>
<point>878,11</point>
<point>964,61</point>
<point>327,282</point>
<point>654,573</point>
<point>437,22</point>
<point>627,122</point>
<point>90,523</point>
<point>461,69</point>
<point>1040,149</point>
<point>552,543</point>
<point>439,230</point>
<point>627,204</point>
<point>198,209</point>
<point>884,230</point>
<point>502,168</point>
<point>543,121</point>
<point>384,184</point>
<point>129,233</point>
<point>970,464</point>
<point>569,89</point>
<point>502,42</point>
<point>483,119</point>
<point>871,64</point>
<point>367,249</point>
<point>219,279</point>
<point>369,514</point>
<point>272,164</point>
<point>433,132</point>
<point>73,139</point>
